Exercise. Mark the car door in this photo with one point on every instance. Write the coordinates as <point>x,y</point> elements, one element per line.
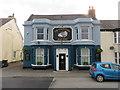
<point>116,69</point>
<point>108,72</point>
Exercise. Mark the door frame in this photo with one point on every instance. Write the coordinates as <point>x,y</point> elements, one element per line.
<point>62,51</point>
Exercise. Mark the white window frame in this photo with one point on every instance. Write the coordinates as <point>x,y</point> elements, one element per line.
<point>47,34</point>
<point>85,56</point>
<point>40,33</point>
<point>117,57</point>
<point>14,54</point>
<point>85,33</point>
<point>117,37</point>
<point>37,55</point>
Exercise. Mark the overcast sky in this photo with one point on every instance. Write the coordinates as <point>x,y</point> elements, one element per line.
<point>105,9</point>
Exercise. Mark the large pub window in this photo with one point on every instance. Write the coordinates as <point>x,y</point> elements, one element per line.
<point>39,56</point>
<point>40,33</point>
<point>85,56</point>
<point>84,32</point>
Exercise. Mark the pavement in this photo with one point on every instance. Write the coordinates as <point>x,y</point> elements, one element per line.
<point>14,76</point>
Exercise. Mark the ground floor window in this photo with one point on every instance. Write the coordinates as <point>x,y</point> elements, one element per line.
<point>117,57</point>
<point>39,56</point>
<point>85,56</point>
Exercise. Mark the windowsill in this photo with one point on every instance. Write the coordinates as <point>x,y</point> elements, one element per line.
<point>41,41</point>
<point>81,65</point>
<point>117,43</point>
<point>40,65</point>
<point>83,40</point>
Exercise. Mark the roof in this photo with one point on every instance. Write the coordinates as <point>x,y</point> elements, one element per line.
<point>110,24</point>
<point>59,17</point>
<point>4,21</point>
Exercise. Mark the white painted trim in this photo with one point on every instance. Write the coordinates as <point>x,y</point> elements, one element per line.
<point>41,41</point>
<point>62,51</point>
<point>62,26</point>
<point>88,33</point>
<point>36,55</point>
<point>40,65</point>
<point>88,56</point>
<point>81,65</point>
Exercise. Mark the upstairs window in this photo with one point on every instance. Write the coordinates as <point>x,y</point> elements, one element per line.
<point>116,37</point>
<point>84,32</point>
<point>40,33</point>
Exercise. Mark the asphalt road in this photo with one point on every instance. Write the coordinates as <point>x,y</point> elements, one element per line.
<point>14,76</point>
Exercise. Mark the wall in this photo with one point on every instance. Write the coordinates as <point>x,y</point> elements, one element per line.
<point>12,41</point>
<point>0,44</point>
<point>107,40</point>
<point>31,26</point>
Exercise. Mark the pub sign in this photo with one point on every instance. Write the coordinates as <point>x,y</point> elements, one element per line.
<point>64,34</point>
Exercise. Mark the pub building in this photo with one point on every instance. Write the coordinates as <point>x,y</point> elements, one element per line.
<point>61,41</point>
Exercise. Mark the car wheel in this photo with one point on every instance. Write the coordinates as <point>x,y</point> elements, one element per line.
<point>99,78</point>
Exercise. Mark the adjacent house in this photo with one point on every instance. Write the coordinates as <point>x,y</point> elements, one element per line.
<point>61,41</point>
<point>11,40</point>
<point>110,41</point>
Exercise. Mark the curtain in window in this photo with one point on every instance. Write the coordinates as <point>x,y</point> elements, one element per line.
<point>39,56</point>
<point>85,56</point>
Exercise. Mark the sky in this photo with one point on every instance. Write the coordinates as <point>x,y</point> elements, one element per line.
<point>22,9</point>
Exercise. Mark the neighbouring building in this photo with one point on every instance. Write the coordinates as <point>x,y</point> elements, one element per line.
<point>110,41</point>
<point>61,41</point>
<point>11,40</point>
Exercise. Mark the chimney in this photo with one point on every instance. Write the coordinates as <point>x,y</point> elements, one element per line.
<point>11,17</point>
<point>91,12</point>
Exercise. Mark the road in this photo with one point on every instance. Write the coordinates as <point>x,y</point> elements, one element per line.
<point>14,76</point>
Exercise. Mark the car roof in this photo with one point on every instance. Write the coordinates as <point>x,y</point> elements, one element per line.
<point>104,63</point>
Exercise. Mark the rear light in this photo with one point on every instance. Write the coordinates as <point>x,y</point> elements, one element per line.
<point>95,69</point>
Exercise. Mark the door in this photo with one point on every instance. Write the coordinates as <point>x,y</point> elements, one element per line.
<point>108,72</point>
<point>62,60</point>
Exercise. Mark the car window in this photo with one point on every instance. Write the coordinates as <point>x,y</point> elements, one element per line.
<point>94,65</point>
<point>115,66</point>
<point>105,66</point>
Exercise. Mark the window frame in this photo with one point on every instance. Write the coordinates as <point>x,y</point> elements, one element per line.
<point>117,57</point>
<point>77,33</point>
<point>117,37</point>
<point>88,56</point>
<point>40,33</point>
<point>85,32</point>
<point>40,56</point>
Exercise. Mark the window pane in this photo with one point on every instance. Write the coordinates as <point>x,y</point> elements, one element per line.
<point>40,36</point>
<point>85,56</point>
<point>40,56</point>
<point>115,37</point>
<point>40,30</point>
<point>115,67</point>
<point>85,52</point>
<point>84,32</point>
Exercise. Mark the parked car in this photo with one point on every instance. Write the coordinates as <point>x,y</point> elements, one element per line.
<point>102,71</point>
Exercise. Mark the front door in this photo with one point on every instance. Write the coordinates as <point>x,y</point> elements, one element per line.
<point>62,60</point>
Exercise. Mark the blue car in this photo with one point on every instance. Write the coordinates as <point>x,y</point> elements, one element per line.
<point>102,71</point>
